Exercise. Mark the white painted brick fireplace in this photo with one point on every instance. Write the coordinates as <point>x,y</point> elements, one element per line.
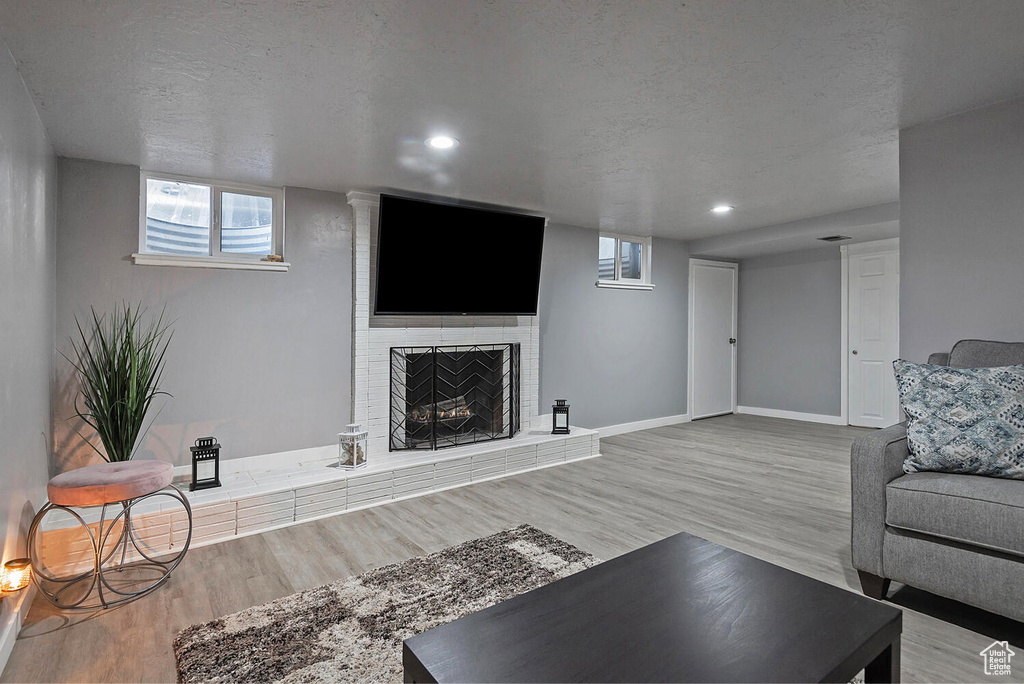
<point>374,336</point>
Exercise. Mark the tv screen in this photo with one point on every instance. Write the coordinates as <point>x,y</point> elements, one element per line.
<point>438,258</point>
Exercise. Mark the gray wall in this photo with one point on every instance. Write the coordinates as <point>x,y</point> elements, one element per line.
<point>617,355</point>
<point>28,176</point>
<point>261,360</point>
<point>790,316</point>
<point>962,230</point>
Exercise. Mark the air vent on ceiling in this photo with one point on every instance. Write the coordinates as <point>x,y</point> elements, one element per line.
<point>835,238</point>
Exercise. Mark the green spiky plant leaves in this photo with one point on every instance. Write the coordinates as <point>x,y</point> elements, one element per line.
<point>119,361</point>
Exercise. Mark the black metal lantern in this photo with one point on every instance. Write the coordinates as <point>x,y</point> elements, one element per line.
<point>205,464</point>
<point>560,418</point>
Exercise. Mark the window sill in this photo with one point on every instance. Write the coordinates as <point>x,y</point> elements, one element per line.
<point>620,285</point>
<point>208,262</point>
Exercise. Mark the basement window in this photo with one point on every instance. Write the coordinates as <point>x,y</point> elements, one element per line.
<point>209,224</point>
<point>624,262</point>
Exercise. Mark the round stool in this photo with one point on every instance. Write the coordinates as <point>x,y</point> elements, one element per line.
<point>127,483</point>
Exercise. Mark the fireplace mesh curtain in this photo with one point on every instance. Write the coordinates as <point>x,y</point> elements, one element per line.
<point>447,396</point>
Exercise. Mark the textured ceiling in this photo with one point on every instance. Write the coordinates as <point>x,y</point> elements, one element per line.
<point>876,222</point>
<point>636,116</point>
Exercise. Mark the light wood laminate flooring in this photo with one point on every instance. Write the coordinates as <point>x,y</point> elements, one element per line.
<point>772,488</point>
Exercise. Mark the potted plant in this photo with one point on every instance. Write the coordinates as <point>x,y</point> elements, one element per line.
<point>119,361</point>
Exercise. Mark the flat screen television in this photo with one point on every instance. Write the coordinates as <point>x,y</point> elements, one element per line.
<point>439,258</point>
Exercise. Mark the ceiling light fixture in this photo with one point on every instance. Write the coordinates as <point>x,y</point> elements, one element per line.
<point>722,208</point>
<point>442,142</point>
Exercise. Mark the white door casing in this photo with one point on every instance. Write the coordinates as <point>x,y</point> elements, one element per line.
<point>872,340</point>
<point>711,366</point>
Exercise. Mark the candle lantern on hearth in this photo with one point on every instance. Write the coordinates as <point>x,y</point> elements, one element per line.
<point>352,447</point>
<point>560,418</point>
<point>205,464</point>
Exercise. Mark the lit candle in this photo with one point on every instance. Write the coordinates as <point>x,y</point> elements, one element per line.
<point>16,575</point>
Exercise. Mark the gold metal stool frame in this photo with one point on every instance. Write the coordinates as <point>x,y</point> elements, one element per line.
<point>97,575</point>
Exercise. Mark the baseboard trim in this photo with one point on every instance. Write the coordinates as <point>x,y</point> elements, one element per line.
<point>13,611</point>
<point>791,415</point>
<point>622,428</point>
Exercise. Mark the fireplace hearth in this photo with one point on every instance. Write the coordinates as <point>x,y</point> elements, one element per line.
<point>452,395</point>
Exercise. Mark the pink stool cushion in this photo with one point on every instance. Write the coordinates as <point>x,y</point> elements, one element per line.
<point>109,482</point>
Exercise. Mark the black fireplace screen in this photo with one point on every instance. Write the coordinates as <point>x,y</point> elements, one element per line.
<point>446,396</point>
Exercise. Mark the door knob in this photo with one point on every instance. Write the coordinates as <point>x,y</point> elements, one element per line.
<point>854,352</point>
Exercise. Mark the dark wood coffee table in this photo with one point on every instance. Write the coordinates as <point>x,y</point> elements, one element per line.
<point>682,610</point>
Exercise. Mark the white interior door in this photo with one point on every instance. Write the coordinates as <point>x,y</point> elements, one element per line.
<point>712,358</point>
<point>873,333</point>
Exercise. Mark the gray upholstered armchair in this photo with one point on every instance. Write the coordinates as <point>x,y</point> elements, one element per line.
<point>960,536</point>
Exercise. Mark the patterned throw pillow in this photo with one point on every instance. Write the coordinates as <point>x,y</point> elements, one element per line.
<point>963,420</point>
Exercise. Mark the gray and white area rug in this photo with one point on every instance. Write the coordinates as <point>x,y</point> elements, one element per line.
<point>352,630</point>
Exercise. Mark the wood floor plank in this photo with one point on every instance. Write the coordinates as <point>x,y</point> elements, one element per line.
<point>772,488</point>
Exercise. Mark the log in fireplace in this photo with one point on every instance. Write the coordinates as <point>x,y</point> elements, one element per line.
<point>452,395</point>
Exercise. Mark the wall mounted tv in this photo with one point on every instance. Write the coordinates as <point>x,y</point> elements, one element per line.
<point>435,257</point>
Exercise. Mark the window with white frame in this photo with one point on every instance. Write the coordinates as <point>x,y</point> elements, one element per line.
<point>195,222</point>
<point>624,261</point>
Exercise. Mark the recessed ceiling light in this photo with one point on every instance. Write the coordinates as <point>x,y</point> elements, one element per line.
<point>722,208</point>
<point>442,142</point>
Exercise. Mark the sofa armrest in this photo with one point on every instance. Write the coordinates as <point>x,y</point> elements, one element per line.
<point>876,459</point>
<point>938,359</point>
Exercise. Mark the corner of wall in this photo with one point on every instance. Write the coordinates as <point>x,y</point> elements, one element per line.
<point>29,188</point>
